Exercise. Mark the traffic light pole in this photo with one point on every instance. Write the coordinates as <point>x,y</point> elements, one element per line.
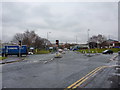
<point>57,44</point>
<point>19,50</point>
<point>20,44</point>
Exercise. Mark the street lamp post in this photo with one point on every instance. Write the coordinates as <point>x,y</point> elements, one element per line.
<point>47,37</point>
<point>88,42</point>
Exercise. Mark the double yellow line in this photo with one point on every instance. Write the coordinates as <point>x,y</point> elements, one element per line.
<point>83,79</point>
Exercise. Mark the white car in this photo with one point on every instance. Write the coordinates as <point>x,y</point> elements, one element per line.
<point>65,49</point>
<point>60,50</point>
<point>30,53</point>
<point>63,52</point>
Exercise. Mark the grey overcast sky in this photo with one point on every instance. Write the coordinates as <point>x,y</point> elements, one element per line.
<point>64,20</point>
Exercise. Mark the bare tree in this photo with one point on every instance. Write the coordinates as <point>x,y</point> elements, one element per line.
<point>39,42</point>
<point>98,40</point>
<point>101,38</point>
<point>31,39</point>
<point>17,37</point>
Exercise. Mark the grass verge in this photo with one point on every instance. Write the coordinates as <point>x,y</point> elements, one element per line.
<point>1,58</point>
<point>42,52</point>
<point>98,50</point>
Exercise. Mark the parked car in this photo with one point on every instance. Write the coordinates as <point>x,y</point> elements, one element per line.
<point>107,52</point>
<point>74,49</point>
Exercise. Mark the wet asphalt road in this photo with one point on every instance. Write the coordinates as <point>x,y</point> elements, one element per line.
<point>58,73</point>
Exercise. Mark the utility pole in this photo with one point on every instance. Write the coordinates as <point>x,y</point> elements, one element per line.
<point>109,40</point>
<point>76,39</point>
<point>108,36</point>
<point>47,35</point>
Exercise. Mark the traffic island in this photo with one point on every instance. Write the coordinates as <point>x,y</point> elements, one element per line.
<point>58,55</point>
<point>5,61</point>
<point>90,54</point>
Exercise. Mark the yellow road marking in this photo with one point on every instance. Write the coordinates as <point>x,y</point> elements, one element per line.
<point>76,84</point>
<point>82,78</point>
<point>87,78</point>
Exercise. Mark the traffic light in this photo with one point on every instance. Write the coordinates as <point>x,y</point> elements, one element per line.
<point>57,42</point>
<point>20,43</point>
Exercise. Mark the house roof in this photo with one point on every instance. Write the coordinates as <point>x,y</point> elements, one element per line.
<point>111,40</point>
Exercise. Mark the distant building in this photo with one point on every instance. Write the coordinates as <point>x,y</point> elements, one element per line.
<point>110,43</point>
<point>113,43</point>
<point>81,46</point>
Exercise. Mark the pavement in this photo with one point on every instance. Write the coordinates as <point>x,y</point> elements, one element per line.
<point>11,60</point>
<point>57,73</point>
<point>31,58</point>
